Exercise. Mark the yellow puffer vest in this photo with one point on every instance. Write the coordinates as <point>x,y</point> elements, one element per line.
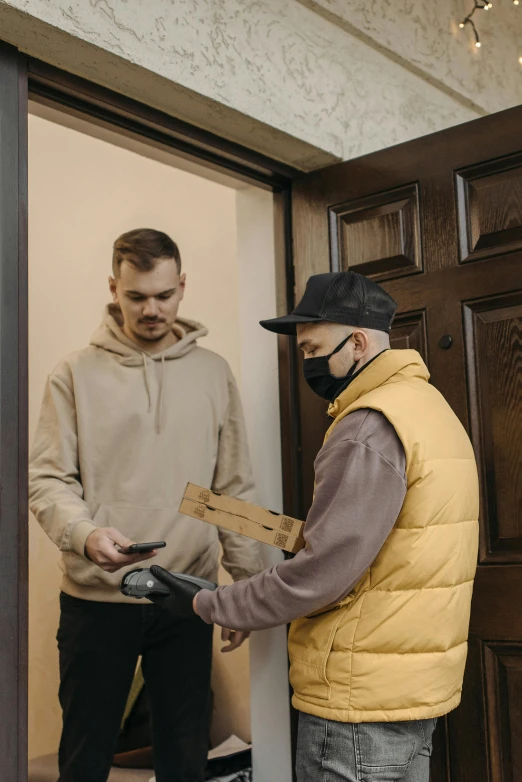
<point>395,648</point>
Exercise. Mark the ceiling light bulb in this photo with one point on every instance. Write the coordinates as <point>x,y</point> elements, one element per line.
<point>478,44</point>
<point>520,60</point>
<point>516,2</point>
<point>461,25</point>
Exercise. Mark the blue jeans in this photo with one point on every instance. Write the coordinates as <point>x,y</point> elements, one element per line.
<point>329,751</point>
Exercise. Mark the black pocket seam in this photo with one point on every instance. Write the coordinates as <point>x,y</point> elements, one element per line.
<point>325,744</point>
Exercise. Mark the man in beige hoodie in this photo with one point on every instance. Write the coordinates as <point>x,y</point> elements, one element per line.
<point>125,424</point>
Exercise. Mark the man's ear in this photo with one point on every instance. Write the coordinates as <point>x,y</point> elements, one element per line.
<point>182,284</point>
<point>113,289</point>
<point>361,344</point>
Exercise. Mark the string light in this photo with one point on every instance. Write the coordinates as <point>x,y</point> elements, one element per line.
<point>482,5</point>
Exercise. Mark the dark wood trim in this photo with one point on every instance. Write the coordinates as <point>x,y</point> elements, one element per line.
<point>23,421</point>
<point>13,414</point>
<point>99,104</point>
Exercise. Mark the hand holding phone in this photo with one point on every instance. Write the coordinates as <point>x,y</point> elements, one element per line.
<point>105,546</point>
<point>143,548</point>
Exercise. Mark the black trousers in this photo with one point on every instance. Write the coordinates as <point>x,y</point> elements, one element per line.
<point>99,645</point>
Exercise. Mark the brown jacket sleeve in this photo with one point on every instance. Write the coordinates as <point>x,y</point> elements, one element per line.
<point>360,488</point>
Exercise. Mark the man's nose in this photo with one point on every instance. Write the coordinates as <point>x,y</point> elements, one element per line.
<point>150,310</point>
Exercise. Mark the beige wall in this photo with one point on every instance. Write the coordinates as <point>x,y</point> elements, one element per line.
<point>83,192</point>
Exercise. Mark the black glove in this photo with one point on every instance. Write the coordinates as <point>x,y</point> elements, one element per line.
<point>182,588</point>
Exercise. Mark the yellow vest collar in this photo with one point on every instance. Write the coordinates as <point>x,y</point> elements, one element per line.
<point>390,366</point>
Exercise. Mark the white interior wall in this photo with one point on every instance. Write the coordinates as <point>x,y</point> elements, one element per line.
<point>83,193</point>
<point>260,392</point>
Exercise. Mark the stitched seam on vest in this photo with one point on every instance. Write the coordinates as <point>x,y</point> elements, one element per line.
<point>423,588</point>
<point>406,654</point>
<point>305,662</point>
<point>440,706</point>
<point>432,526</point>
<point>444,459</point>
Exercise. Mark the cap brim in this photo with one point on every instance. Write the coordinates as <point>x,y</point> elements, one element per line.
<point>288,323</point>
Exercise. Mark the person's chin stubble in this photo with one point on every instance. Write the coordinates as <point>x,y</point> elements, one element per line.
<point>152,337</point>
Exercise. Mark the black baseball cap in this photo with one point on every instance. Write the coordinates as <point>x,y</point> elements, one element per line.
<point>342,297</point>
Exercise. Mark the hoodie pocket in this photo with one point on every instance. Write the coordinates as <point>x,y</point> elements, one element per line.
<point>133,521</point>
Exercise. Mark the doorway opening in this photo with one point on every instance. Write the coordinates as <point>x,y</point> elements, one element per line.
<point>88,184</point>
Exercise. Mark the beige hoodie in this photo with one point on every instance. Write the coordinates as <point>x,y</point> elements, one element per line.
<point>121,432</point>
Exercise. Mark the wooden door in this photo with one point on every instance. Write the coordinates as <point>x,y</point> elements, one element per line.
<point>438,221</point>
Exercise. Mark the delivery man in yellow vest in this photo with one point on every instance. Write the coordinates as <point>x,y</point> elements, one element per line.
<point>379,599</point>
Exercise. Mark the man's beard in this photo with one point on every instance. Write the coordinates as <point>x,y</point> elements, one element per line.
<point>153,337</point>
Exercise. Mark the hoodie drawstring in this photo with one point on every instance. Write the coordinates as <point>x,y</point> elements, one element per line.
<point>159,411</point>
<point>147,382</point>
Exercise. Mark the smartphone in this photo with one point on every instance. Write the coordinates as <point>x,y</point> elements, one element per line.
<point>143,548</point>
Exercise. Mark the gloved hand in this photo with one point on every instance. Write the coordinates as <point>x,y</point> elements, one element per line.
<point>182,592</point>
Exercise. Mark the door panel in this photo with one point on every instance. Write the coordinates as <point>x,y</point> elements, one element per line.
<point>489,207</point>
<point>438,222</point>
<point>493,329</point>
<point>503,669</point>
<point>378,235</point>
<point>409,332</point>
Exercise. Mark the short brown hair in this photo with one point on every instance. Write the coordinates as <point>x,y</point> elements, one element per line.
<point>142,248</point>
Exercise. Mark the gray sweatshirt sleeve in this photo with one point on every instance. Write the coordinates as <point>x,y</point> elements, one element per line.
<point>360,489</point>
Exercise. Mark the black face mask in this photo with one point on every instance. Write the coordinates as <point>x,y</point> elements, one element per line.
<point>318,376</point>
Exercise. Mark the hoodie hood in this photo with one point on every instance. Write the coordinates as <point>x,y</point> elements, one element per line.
<point>110,337</point>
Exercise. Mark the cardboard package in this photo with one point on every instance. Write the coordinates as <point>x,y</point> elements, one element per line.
<point>261,524</point>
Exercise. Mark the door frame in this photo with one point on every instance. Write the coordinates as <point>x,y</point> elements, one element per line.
<point>27,78</point>
<point>13,414</point>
